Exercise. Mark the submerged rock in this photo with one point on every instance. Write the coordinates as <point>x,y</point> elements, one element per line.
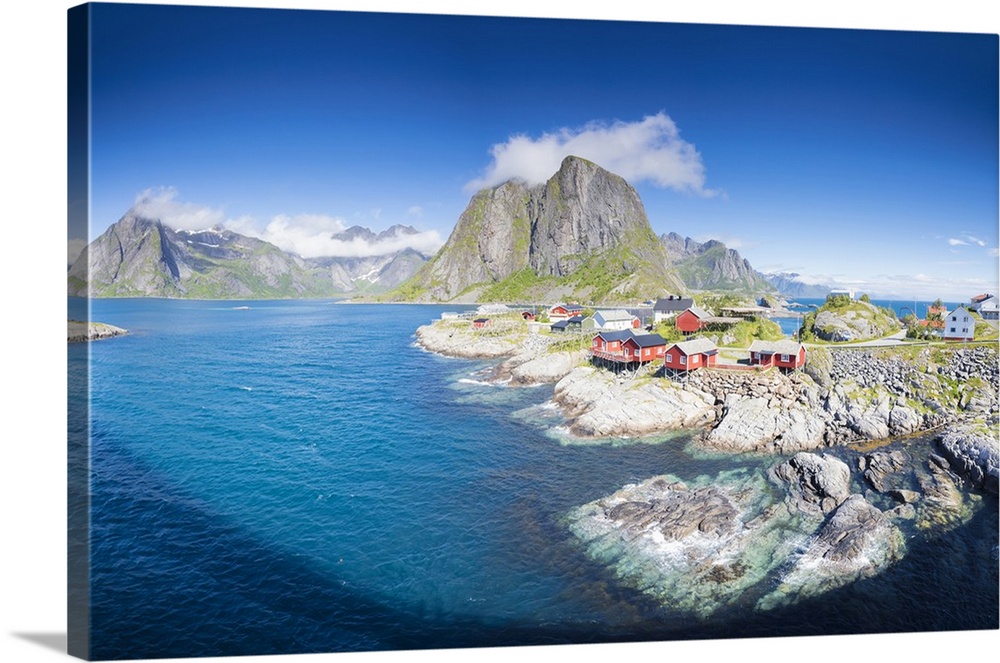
<point>857,541</point>
<point>879,468</point>
<point>696,548</point>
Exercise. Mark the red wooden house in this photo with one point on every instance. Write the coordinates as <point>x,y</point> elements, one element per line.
<point>691,320</point>
<point>563,311</point>
<point>480,323</point>
<point>527,315</point>
<point>690,355</point>
<point>786,355</point>
<point>694,319</point>
<point>644,347</point>
<point>610,342</point>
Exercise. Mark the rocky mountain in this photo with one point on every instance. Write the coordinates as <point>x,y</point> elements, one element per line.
<point>141,257</point>
<point>581,235</point>
<point>791,284</point>
<point>712,266</point>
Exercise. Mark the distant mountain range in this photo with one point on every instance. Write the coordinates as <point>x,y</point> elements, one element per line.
<point>583,235</point>
<point>791,284</point>
<point>142,257</point>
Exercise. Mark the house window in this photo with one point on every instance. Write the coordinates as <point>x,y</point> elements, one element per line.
<point>683,360</point>
<point>784,357</point>
<point>670,358</point>
<point>694,359</point>
<point>952,330</point>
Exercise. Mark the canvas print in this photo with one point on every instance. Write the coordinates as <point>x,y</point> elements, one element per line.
<point>396,332</point>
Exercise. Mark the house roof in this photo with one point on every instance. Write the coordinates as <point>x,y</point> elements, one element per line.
<point>576,319</point>
<point>559,325</point>
<point>614,314</point>
<point>980,298</point>
<point>617,335</point>
<point>785,347</point>
<point>568,307</point>
<point>481,320</point>
<point>673,304</point>
<point>960,308</point>
<point>647,340</point>
<point>702,346</point>
<point>699,312</point>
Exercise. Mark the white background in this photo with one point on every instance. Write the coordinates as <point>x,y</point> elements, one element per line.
<point>32,392</point>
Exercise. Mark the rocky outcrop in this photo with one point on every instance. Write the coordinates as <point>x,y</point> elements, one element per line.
<point>695,547</point>
<point>857,541</point>
<point>700,546</point>
<point>973,453</point>
<point>515,237</point>
<point>856,321</point>
<point>458,338</point>
<point>816,484</point>
<point>79,332</point>
<point>598,403</point>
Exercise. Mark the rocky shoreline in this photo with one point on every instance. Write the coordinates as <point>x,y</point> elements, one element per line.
<point>828,514</point>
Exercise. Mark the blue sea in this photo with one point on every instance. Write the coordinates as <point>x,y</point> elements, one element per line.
<point>298,476</point>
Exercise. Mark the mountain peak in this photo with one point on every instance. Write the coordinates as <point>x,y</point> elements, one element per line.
<point>583,219</point>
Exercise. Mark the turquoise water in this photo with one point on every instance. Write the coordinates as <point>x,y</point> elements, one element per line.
<point>300,477</point>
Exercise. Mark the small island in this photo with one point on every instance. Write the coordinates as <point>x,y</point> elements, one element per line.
<point>79,331</point>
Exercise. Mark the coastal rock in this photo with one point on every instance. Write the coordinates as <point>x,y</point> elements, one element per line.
<point>943,506</point>
<point>973,453</point>
<point>78,331</point>
<point>457,338</point>
<point>696,548</point>
<point>856,541</point>
<point>880,468</point>
<point>817,484</point>
<point>752,424</point>
<point>546,368</point>
<point>599,404</point>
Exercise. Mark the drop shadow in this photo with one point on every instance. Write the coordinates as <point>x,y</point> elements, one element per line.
<point>54,641</point>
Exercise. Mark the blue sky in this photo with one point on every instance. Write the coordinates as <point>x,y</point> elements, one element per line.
<point>865,158</point>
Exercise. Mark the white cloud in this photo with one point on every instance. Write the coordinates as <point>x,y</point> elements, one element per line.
<point>994,252</point>
<point>307,235</point>
<point>162,204</point>
<point>967,239</point>
<point>311,236</point>
<point>647,151</point>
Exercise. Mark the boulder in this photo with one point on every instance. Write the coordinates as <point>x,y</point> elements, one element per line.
<point>817,484</point>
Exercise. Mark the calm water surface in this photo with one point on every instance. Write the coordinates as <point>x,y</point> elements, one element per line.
<point>299,477</point>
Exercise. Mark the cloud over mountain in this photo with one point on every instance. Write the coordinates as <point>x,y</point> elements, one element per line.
<point>307,235</point>
<point>650,150</point>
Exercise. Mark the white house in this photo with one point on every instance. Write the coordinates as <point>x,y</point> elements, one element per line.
<point>989,309</point>
<point>959,325</point>
<point>614,319</point>
<point>670,307</point>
